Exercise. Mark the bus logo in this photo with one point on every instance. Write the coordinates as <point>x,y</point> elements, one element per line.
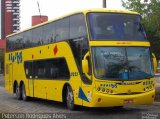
<point>15,57</point>
<point>55,50</point>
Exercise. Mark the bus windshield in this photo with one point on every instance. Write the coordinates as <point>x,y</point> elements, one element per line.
<point>115,26</point>
<point>122,63</point>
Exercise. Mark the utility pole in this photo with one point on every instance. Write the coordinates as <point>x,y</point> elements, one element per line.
<point>39,11</point>
<point>104,3</point>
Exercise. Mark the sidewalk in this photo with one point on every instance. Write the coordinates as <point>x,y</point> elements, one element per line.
<point>156,103</point>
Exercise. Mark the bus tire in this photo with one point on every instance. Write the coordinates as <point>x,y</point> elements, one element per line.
<point>70,98</point>
<point>24,96</point>
<point>18,92</point>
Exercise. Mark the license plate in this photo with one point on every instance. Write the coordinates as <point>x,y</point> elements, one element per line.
<point>128,101</point>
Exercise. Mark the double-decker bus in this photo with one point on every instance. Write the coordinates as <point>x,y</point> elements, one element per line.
<point>91,58</point>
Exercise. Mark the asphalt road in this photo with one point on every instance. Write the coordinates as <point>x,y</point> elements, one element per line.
<point>37,108</point>
<point>1,80</point>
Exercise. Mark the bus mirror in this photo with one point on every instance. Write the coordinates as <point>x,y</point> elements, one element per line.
<point>85,66</point>
<point>154,62</point>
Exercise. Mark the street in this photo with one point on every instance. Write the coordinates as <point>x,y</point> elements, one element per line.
<point>9,104</point>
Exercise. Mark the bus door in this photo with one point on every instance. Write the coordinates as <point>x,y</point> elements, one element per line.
<point>87,83</point>
<point>31,87</point>
<point>29,75</point>
<point>40,85</point>
<point>10,81</point>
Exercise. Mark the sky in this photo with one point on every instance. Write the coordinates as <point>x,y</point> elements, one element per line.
<point>57,8</point>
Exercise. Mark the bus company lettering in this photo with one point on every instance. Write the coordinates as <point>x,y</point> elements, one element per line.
<point>16,57</point>
<point>128,83</point>
<point>109,85</point>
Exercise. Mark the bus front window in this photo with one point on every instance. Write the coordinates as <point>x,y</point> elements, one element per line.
<point>114,26</point>
<point>122,63</point>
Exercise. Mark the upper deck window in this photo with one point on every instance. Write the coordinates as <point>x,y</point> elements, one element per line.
<point>69,28</point>
<point>114,26</point>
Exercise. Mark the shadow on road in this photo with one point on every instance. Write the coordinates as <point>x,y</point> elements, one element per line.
<point>99,111</point>
<point>127,112</point>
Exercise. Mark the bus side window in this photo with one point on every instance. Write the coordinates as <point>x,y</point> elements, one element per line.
<point>54,72</point>
<point>47,69</point>
<point>82,30</point>
<point>51,69</point>
<point>27,37</point>
<point>77,26</point>
<point>49,33</point>
<point>60,69</point>
<point>62,29</point>
<point>37,38</point>
<point>78,38</point>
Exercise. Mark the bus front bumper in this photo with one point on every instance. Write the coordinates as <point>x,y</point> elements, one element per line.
<point>104,100</point>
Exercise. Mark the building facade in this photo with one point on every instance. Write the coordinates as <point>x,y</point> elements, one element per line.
<point>10,23</point>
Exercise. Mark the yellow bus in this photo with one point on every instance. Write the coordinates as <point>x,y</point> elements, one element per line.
<point>91,58</point>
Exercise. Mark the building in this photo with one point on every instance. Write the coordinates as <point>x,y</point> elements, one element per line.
<point>9,22</point>
<point>37,19</point>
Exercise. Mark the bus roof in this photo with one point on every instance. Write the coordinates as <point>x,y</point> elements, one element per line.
<point>82,11</point>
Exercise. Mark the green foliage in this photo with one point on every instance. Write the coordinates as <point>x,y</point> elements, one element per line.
<point>150,12</point>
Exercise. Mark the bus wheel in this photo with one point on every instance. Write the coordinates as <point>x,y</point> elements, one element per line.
<point>70,98</point>
<point>18,93</point>
<point>24,97</point>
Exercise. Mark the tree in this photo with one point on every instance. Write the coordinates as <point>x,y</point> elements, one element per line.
<point>150,12</point>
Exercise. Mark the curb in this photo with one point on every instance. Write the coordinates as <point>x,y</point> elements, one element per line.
<point>156,103</point>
